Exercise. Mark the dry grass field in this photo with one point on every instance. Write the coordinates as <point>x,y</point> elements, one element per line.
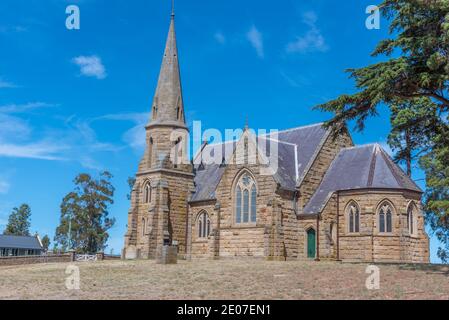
<point>223,279</point>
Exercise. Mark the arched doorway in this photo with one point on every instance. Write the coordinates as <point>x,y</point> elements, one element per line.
<point>311,243</point>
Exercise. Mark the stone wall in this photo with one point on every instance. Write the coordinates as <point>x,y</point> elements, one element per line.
<point>200,246</point>
<point>21,260</point>
<point>330,148</point>
<point>369,244</point>
<point>164,218</point>
<point>249,239</point>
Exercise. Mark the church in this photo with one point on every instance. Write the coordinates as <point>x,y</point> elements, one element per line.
<point>328,199</point>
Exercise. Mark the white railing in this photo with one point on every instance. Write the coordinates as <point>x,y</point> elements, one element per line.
<point>85,257</point>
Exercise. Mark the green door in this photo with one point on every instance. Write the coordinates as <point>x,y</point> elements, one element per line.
<point>311,243</point>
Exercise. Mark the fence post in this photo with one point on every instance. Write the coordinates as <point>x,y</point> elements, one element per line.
<point>72,256</point>
<point>100,256</point>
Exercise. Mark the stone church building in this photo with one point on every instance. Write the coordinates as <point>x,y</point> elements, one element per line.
<point>328,199</point>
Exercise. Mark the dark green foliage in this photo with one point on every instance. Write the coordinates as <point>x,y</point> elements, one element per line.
<point>131,182</point>
<point>45,242</point>
<point>19,221</point>
<point>414,83</point>
<point>87,209</point>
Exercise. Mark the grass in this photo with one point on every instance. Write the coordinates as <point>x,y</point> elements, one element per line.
<point>223,279</point>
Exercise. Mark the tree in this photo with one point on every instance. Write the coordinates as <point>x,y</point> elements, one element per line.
<point>85,212</point>
<point>414,83</point>
<point>421,70</point>
<point>411,134</point>
<point>19,221</point>
<point>131,182</point>
<point>45,242</point>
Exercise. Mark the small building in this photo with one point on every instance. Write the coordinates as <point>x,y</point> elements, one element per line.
<point>20,246</point>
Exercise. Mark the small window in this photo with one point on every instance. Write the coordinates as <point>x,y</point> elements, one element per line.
<point>203,225</point>
<point>147,193</point>
<point>143,227</point>
<point>353,213</point>
<point>385,218</point>
<point>411,216</point>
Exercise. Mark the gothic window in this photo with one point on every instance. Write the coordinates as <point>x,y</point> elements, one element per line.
<point>147,192</point>
<point>353,213</point>
<point>203,225</point>
<point>385,218</point>
<point>245,200</point>
<point>150,151</point>
<point>411,224</point>
<point>143,226</point>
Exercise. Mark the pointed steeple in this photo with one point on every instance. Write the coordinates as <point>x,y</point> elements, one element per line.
<point>168,106</point>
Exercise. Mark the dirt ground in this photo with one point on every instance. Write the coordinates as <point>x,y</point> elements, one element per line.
<point>223,279</point>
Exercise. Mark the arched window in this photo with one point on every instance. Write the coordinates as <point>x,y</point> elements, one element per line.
<point>245,200</point>
<point>411,214</point>
<point>385,217</point>
<point>143,226</point>
<point>353,213</point>
<point>203,225</point>
<point>147,192</point>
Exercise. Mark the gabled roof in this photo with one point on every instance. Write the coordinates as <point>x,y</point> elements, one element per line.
<point>19,242</point>
<point>361,167</point>
<point>308,140</point>
<point>208,176</point>
<point>301,143</point>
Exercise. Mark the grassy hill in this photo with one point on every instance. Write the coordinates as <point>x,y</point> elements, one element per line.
<point>224,279</point>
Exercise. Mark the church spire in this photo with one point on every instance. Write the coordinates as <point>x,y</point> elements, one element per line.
<point>168,106</point>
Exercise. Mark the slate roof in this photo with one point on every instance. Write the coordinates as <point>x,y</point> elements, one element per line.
<point>19,242</point>
<point>366,166</point>
<point>208,177</point>
<point>307,140</point>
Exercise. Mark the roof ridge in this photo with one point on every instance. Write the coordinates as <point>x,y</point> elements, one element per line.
<point>374,144</point>
<point>393,166</point>
<point>296,128</point>
<point>280,141</point>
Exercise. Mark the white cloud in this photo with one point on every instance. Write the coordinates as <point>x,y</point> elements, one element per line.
<point>21,108</point>
<point>38,150</point>
<point>312,40</point>
<point>12,29</point>
<point>4,186</point>
<point>219,37</point>
<point>13,128</point>
<point>6,84</point>
<point>134,137</point>
<point>255,37</point>
<point>90,66</point>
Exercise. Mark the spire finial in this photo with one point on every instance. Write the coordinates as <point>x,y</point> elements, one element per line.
<point>246,123</point>
<point>172,8</point>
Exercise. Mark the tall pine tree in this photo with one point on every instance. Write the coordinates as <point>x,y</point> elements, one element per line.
<point>19,221</point>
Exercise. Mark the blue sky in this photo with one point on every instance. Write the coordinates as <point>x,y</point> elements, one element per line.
<point>76,101</point>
